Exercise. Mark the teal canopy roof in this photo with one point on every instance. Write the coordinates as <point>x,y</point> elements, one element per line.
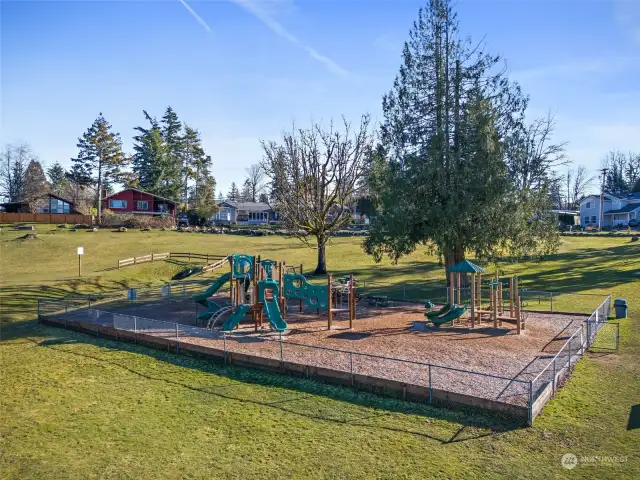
<point>465,266</point>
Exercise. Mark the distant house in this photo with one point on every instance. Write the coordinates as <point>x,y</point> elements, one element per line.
<point>616,210</point>
<point>138,202</point>
<point>47,203</point>
<point>248,213</point>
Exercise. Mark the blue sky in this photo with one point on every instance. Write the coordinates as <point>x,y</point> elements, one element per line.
<point>244,70</point>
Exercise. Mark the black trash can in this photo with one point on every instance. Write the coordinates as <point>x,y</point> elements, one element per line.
<point>620,305</point>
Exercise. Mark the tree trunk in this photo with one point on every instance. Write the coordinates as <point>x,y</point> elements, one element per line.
<point>321,268</point>
<point>452,256</point>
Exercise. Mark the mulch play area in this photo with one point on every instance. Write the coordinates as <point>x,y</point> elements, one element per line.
<point>399,331</point>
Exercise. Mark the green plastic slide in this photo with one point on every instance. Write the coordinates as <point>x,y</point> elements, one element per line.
<point>201,298</point>
<point>235,318</point>
<point>272,310</point>
<point>212,307</point>
<point>456,312</point>
<point>437,313</point>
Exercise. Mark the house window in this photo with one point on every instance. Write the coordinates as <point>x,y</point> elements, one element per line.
<point>588,204</point>
<point>593,219</point>
<point>117,204</point>
<point>586,220</point>
<point>142,205</point>
<point>58,206</point>
<point>163,208</point>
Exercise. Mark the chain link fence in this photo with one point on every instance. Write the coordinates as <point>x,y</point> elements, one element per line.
<point>594,333</point>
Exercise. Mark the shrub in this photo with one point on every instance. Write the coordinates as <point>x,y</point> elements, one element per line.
<point>129,220</point>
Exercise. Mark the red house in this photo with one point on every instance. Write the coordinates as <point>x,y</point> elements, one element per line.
<point>139,203</point>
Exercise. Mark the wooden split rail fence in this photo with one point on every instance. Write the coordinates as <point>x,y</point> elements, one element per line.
<point>208,258</point>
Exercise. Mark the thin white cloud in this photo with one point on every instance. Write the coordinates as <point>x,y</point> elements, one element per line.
<point>582,66</point>
<point>196,16</point>
<point>627,14</point>
<point>254,8</point>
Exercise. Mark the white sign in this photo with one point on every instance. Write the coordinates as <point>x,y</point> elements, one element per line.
<point>80,250</point>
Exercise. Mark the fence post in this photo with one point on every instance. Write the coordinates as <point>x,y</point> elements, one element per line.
<point>581,342</point>
<point>530,402</point>
<point>551,302</point>
<point>281,355</point>
<point>224,346</point>
<point>430,386</point>
<point>617,336</point>
<point>569,347</point>
<point>351,368</point>
<point>89,300</point>
<point>588,333</point>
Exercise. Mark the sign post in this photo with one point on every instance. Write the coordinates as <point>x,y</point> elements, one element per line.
<point>80,253</point>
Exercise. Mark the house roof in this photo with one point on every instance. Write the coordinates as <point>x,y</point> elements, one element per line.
<point>465,266</point>
<point>626,209</point>
<point>48,194</point>
<point>142,191</point>
<point>247,206</point>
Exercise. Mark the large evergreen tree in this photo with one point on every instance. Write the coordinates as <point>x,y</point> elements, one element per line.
<point>35,185</point>
<point>195,163</point>
<point>100,158</point>
<point>234,194</point>
<point>446,182</point>
<point>57,177</point>
<point>176,172</point>
<point>154,162</point>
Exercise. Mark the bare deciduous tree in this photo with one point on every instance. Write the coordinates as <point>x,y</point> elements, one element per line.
<point>577,182</point>
<point>254,182</point>
<point>317,172</point>
<point>531,156</point>
<point>13,163</point>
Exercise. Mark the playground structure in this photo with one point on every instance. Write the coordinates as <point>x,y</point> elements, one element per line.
<point>263,289</point>
<point>473,309</point>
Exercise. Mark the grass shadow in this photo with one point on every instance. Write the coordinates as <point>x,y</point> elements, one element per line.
<point>477,424</point>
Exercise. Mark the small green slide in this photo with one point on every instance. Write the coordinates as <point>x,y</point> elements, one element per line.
<point>436,313</point>
<point>272,310</point>
<point>201,298</point>
<point>235,318</point>
<point>456,312</point>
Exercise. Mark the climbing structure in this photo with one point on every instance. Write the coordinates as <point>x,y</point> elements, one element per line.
<point>262,288</point>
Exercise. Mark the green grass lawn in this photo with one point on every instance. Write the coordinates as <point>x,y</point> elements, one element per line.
<point>72,406</point>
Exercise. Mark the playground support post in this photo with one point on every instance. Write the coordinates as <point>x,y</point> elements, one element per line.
<point>511,293</point>
<point>479,294</point>
<point>231,280</point>
<point>518,316</point>
<point>494,305</point>
<point>329,302</point>
<point>352,301</point>
<point>473,300</point>
<point>458,285</point>
<point>452,297</point>
<point>282,299</point>
<point>300,303</point>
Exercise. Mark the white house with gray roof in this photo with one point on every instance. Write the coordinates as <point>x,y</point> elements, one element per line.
<point>244,213</point>
<point>617,210</point>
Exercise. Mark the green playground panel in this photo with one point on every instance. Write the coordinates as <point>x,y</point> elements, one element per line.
<point>268,267</point>
<point>242,266</point>
<point>296,287</point>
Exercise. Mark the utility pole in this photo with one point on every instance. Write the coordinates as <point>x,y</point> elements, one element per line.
<point>604,173</point>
